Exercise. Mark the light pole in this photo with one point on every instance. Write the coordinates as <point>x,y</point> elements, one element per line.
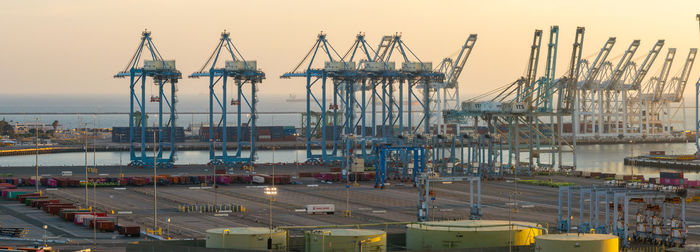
<point>271,192</point>
<point>167,228</point>
<point>121,171</point>
<point>36,179</point>
<point>94,143</point>
<point>94,222</point>
<point>45,227</point>
<point>86,165</point>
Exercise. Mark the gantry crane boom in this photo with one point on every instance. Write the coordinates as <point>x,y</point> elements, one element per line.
<point>616,76</point>
<point>534,58</point>
<point>567,95</point>
<point>679,83</point>
<point>384,48</point>
<point>646,64</point>
<point>593,70</point>
<point>546,88</point>
<point>658,84</point>
<point>460,62</point>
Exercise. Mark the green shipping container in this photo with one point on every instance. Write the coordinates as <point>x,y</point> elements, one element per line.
<point>12,195</point>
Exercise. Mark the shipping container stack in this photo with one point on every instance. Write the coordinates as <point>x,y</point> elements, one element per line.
<point>672,178</point>
<point>263,133</point>
<point>65,210</point>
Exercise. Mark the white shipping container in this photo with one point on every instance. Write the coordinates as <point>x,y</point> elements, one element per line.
<point>66,173</point>
<point>320,209</point>
<point>258,179</point>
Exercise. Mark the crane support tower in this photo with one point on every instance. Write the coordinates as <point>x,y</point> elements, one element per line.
<point>164,75</point>
<point>242,72</point>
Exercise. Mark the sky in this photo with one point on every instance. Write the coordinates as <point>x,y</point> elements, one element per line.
<point>73,47</point>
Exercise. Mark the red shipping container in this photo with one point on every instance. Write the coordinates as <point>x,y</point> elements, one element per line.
<point>105,226</point>
<point>42,203</point>
<point>133,231</point>
<point>54,209</point>
<point>7,186</point>
<point>22,197</point>
<point>693,183</point>
<point>224,180</point>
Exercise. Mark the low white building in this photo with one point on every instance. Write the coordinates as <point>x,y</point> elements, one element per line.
<point>24,127</point>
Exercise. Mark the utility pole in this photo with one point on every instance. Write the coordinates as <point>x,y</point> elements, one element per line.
<point>94,143</point>
<point>36,179</point>
<point>94,225</point>
<point>86,166</point>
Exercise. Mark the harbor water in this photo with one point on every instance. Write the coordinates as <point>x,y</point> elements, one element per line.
<point>607,158</point>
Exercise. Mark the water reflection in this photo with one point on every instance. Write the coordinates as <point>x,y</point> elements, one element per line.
<point>602,158</point>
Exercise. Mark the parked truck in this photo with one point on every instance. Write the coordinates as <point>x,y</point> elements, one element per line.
<point>320,209</point>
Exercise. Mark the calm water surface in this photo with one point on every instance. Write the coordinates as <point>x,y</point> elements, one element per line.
<point>602,158</point>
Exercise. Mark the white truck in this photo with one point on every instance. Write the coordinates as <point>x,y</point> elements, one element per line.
<point>320,209</point>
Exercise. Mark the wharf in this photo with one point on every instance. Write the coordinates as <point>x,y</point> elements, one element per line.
<point>683,162</point>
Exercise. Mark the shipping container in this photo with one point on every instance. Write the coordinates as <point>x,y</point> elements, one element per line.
<point>13,193</point>
<point>131,231</point>
<point>671,175</point>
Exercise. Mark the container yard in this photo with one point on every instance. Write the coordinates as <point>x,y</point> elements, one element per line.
<point>584,147</point>
<point>189,207</point>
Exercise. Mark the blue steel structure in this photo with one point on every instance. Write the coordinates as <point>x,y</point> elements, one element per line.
<point>163,74</point>
<point>318,76</point>
<point>375,74</point>
<point>415,80</point>
<point>608,210</point>
<point>410,80</point>
<point>360,51</point>
<point>385,156</point>
<point>242,72</point>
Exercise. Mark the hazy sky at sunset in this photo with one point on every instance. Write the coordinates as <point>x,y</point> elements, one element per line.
<point>71,46</point>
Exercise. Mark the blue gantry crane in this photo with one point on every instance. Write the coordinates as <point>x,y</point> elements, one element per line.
<point>317,133</point>
<point>242,72</point>
<point>164,74</point>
